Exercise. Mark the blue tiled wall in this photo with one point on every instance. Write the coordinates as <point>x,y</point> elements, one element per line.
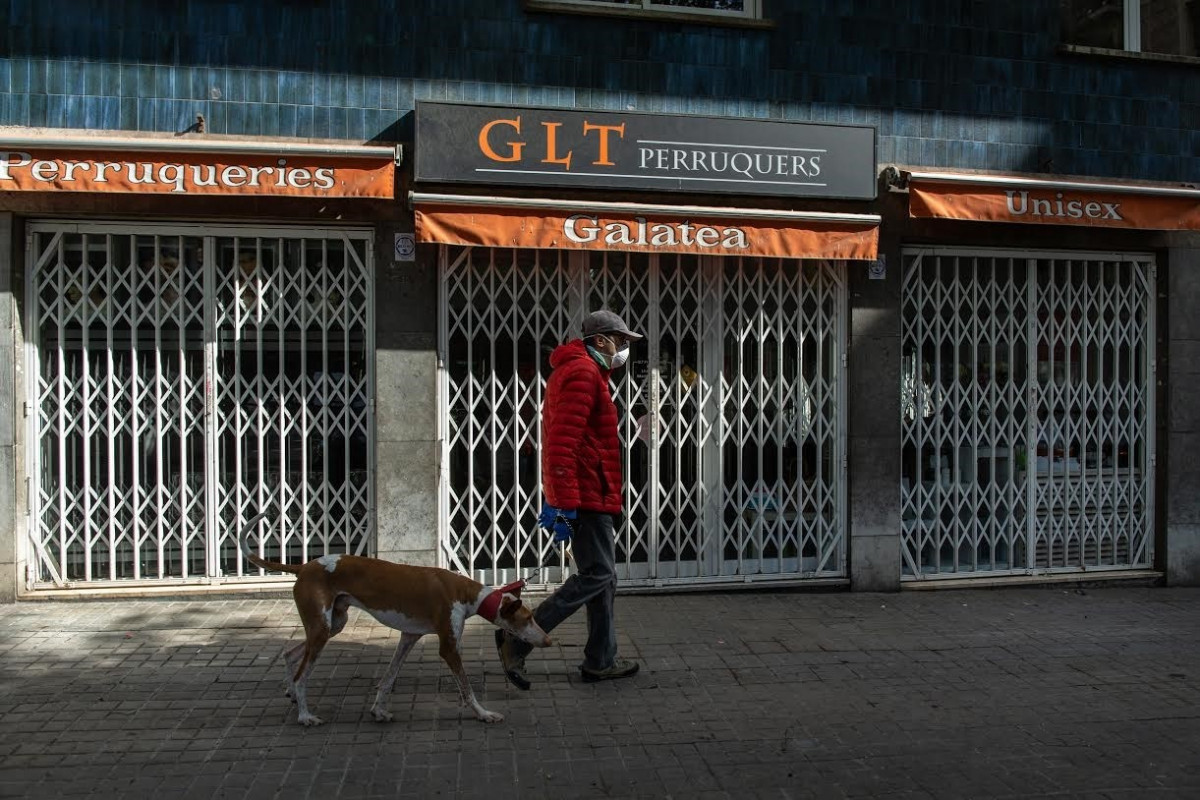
<point>948,83</point>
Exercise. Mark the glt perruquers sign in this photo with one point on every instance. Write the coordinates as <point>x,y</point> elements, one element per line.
<point>193,173</point>
<point>626,150</point>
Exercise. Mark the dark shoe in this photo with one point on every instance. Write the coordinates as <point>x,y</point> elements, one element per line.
<point>514,666</point>
<point>621,668</point>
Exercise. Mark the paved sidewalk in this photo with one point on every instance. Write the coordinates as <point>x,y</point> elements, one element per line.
<point>963,694</point>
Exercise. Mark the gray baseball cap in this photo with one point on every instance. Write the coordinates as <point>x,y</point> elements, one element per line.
<point>605,321</point>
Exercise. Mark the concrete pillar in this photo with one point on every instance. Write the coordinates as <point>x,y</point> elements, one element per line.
<point>1182,510</point>
<point>407,447</point>
<point>10,518</point>
<point>874,427</point>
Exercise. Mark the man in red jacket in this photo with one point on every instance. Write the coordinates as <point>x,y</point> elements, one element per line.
<point>581,486</point>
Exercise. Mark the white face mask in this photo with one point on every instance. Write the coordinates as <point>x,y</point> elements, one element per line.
<point>617,359</point>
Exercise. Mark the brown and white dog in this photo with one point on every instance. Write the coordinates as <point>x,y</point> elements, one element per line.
<point>413,600</point>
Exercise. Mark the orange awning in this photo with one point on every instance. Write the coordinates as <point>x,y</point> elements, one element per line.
<point>119,165</point>
<point>990,198</point>
<point>573,225</point>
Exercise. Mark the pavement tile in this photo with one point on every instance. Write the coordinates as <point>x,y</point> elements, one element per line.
<point>1017,693</point>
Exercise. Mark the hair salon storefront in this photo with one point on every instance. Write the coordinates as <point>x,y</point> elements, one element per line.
<point>733,413</point>
<point>199,323</point>
<point>1030,374</point>
<point>188,363</point>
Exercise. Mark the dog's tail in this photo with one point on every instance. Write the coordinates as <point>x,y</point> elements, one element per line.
<point>253,559</point>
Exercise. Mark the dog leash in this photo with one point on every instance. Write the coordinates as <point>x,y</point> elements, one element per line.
<point>554,556</point>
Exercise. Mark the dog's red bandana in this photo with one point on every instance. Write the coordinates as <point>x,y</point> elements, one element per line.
<point>490,606</point>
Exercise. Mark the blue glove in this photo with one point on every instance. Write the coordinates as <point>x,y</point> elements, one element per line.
<point>557,520</point>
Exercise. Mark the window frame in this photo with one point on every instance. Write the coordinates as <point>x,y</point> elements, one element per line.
<point>1131,39</point>
<point>751,10</point>
<point>1133,25</point>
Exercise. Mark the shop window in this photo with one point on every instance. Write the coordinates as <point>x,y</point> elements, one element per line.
<point>731,411</point>
<point>1166,27</point>
<point>1026,389</point>
<point>727,9</point>
<point>183,383</point>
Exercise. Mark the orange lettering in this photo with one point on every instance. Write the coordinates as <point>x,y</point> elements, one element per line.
<point>604,131</point>
<point>514,147</point>
<point>551,146</point>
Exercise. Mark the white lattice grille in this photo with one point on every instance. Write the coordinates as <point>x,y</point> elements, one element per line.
<point>783,438</point>
<point>293,423</point>
<point>503,311</point>
<point>1027,412</point>
<point>133,480</point>
<point>624,282</point>
<point>731,412</point>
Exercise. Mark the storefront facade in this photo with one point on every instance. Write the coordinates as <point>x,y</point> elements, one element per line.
<point>1033,376</point>
<point>184,373</point>
<point>868,372</point>
<point>733,410</point>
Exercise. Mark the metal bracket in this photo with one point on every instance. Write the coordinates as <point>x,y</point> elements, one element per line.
<point>895,180</point>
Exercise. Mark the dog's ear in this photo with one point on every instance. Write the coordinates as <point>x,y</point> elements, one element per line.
<point>509,605</point>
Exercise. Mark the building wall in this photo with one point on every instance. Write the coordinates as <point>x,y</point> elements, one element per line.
<point>955,84</point>
<point>873,446</point>
<point>952,83</point>
<point>407,441</point>
<point>1183,420</point>
<point>10,452</point>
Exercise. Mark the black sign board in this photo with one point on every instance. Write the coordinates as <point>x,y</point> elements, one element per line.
<point>624,150</point>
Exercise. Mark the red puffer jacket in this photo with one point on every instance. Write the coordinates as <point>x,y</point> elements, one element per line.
<point>581,454</point>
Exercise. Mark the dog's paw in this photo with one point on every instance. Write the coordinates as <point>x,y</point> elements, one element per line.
<point>381,715</point>
<point>490,716</point>
<point>311,720</point>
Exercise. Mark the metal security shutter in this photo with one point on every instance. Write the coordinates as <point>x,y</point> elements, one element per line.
<point>188,377</point>
<point>1027,412</point>
<point>731,411</point>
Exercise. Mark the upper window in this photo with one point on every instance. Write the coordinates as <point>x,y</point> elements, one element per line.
<point>1171,27</point>
<point>729,9</point>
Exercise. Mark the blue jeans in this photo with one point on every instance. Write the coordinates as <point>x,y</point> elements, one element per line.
<point>593,585</point>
